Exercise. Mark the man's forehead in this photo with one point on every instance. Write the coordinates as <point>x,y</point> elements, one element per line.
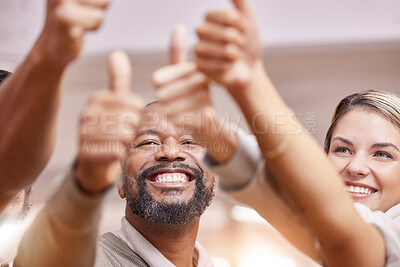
<point>154,120</point>
<point>153,116</point>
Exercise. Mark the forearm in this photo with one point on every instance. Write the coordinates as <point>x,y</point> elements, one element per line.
<point>220,139</point>
<point>245,179</point>
<point>302,166</point>
<point>29,101</point>
<point>274,208</point>
<point>65,231</point>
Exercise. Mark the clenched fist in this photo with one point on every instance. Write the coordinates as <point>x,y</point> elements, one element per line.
<point>229,46</point>
<point>183,91</point>
<point>67,21</point>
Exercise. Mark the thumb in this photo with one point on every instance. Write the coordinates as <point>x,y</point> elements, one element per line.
<point>120,72</point>
<point>242,6</point>
<point>178,51</point>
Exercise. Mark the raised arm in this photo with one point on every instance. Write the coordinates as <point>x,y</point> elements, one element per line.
<point>293,157</point>
<point>64,233</point>
<point>184,92</point>
<point>30,98</point>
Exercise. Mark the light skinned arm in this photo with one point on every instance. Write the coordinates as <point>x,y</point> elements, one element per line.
<point>65,232</point>
<point>30,98</point>
<point>293,157</point>
<point>184,92</point>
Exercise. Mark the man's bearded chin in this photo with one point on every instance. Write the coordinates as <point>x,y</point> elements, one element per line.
<point>18,208</point>
<point>145,206</point>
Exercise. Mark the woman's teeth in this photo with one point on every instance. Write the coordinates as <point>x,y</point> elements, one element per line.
<point>358,189</point>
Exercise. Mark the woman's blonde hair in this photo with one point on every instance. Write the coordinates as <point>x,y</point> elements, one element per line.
<point>385,102</point>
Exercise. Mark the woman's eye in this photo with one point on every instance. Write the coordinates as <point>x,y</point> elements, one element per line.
<point>341,150</point>
<point>383,154</point>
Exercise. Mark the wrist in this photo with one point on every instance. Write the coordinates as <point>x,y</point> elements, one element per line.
<point>257,77</point>
<point>257,93</point>
<point>221,141</point>
<point>41,56</point>
<point>89,179</point>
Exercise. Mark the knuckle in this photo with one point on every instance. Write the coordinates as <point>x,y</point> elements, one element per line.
<point>91,100</point>
<point>99,17</point>
<point>198,48</point>
<point>209,16</point>
<point>230,51</point>
<point>160,95</point>
<point>96,24</point>
<point>201,64</point>
<point>105,3</point>
<point>62,12</point>
<point>230,34</point>
<point>156,79</point>
<point>231,15</point>
<point>200,30</point>
<point>96,20</point>
<point>95,98</point>
<point>201,78</point>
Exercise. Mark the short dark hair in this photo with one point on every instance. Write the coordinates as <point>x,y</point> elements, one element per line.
<point>3,75</point>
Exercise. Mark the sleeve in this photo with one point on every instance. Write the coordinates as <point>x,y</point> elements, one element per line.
<point>245,179</point>
<point>240,169</point>
<point>390,229</point>
<point>65,231</point>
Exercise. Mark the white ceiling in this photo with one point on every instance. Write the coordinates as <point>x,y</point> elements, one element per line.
<point>139,26</point>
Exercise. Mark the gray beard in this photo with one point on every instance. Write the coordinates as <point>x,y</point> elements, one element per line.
<point>145,206</point>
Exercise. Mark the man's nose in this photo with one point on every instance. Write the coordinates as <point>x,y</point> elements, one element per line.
<point>170,151</point>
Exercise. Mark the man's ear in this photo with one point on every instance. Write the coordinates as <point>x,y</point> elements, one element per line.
<point>120,187</point>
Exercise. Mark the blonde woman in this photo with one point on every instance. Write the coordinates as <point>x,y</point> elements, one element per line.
<point>363,146</point>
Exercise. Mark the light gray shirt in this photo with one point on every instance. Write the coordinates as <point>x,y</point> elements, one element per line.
<point>138,243</point>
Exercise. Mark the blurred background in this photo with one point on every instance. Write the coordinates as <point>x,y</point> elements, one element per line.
<point>316,52</point>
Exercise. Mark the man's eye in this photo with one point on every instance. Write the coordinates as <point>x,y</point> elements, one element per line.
<point>147,143</point>
<point>189,142</point>
<point>342,150</point>
<point>383,154</point>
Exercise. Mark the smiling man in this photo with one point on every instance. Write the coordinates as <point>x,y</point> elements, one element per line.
<point>165,185</point>
<point>167,188</point>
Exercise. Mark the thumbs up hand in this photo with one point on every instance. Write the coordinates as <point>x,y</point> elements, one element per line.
<point>108,123</point>
<point>184,93</point>
<point>181,88</point>
<point>229,47</point>
<point>66,23</point>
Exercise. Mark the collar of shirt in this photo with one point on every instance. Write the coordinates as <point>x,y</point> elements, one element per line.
<point>394,212</point>
<point>150,254</point>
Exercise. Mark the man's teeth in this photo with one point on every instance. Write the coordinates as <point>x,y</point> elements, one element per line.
<point>171,178</point>
<point>358,189</point>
